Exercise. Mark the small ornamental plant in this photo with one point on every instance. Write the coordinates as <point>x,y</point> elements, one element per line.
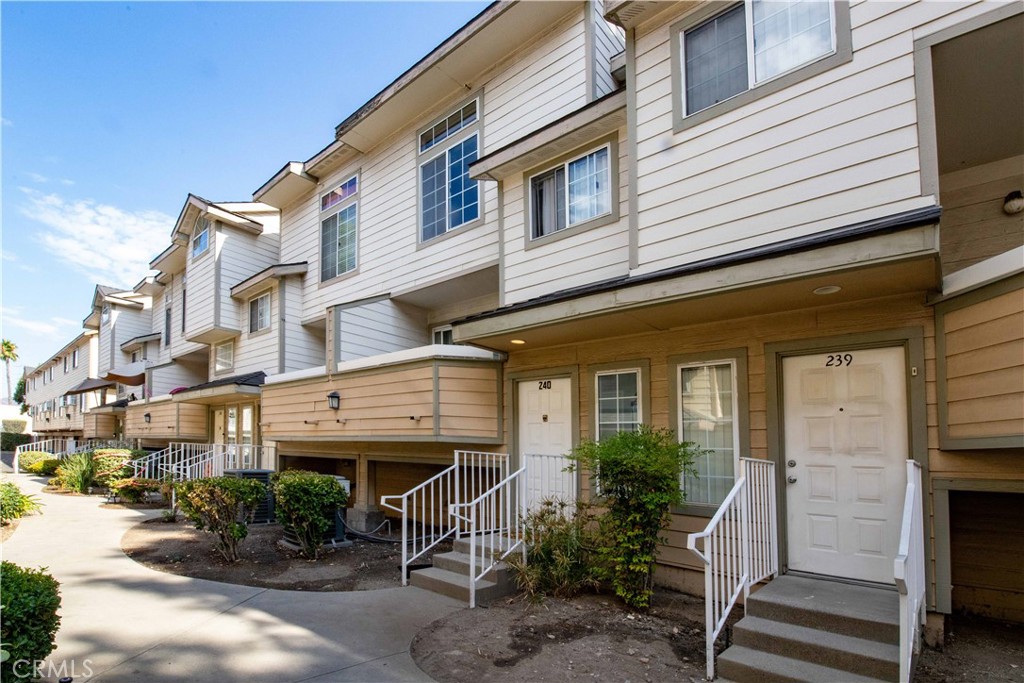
<point>26,459</point>
<point>223,506</point>
<point>77,472</point>
<point>304,502</point>
<point>29,603</point>
<point>560,544</point>
<point>47,467</point>
<point>134,489</point>
<point>638,475</point>
<point>14,504</point>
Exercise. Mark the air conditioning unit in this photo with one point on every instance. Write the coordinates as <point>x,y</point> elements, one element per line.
<point>265,510</point>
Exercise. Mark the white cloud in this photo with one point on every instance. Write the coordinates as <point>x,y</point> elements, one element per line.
<point>12,316</point>
<point>7,256</point>
<point>66,182</point>
<point>6,121</point>
<point>107,244</point>
<point>37,177</point>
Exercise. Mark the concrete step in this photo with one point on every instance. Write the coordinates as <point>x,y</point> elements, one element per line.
<point>456,585</point>
<point>501,543</point>
<point>846,653</point>
<point>460,563</point>
<point>741,664</point>
<point>846,609</point>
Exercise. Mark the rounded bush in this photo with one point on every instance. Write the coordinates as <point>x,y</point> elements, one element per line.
<point>305,503</point>
<point>29,602</point>
<point>47,467</point>
<point>223,506</point>
<point>15,504</point>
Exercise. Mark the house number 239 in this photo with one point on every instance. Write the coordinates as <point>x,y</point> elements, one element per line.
<point>838,360</point>
<point>544,384</point>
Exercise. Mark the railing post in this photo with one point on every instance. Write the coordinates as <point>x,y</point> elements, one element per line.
<point>458,493</point>
<point>472,558</point>
<point>405,541</point>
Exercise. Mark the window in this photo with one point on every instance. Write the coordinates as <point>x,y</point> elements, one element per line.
<point>338,230</point>
<point>167,325</point>
<point>74,358</point>
<point>135,356</point>
<point>259,313</point>
<point>572,193</point>
<point>708,409</point>
<point>105,313</point>
<point>200,236</point>
<point>721,57</point>
<point>50,373</point>
<point>224,356</point>
<point>442,335</point>
<point>618,402</point>
<point>67,362</point>
<point>183,310</point>
<point>448,198</point>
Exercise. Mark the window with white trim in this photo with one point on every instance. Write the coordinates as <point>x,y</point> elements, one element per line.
<point>749,44</point>
<point>708,410</point>
<point>339,235</point>
<point>571,193</point>
<point>66,364</point>
<point>224,356</point>
<point>442,335</point>
<point>74,358</point>
<point>200,236</point>
<point>167,324</point>
<point>259,313</point>
<point>448,197</point>
<point>618,406</point>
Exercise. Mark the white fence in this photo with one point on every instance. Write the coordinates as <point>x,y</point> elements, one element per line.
<point>909,571</point>
<point>740,547</point>
<point>52,446</point>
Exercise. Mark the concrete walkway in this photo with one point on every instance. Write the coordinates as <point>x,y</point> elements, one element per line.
<point>124,622</point>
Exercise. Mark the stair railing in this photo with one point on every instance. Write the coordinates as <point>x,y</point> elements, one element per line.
<point>740,547</point>
<point>51,446</point>
<point>909,572</point>
<point>425,507</point>
<point>495,526</point>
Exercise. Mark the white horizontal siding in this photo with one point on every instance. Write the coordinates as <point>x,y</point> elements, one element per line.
<point>164,379</point>
<point>259,350</point>
<point>62,382</point>
<point>241,256</point>
<point>609,40</point>
<point>829,151</point>
<point>303,347</point>
<point>181,299</point>
<point>379,327</point>
<point>199,314</point>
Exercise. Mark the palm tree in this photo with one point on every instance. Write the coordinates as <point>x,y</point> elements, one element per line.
<point>9,352</point>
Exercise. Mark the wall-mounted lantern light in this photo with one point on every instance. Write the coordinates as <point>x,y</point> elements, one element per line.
<point>148,418</point>
<point>1013,203</point>
<point>334,400</point>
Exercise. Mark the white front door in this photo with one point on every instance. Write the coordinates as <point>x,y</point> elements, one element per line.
<point>846,446</point>
<point>545,438</point>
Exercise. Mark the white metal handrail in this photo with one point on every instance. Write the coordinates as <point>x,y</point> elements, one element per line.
<point>92,445</point>
<point>51,446</point>
<point>740,547</point>
<point>909,572</point>
<point>425,507</point>
<point>495,526</point>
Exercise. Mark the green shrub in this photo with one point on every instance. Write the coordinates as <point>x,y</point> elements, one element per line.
<point>13,426</point>
<point>103,452</point>
<point>110,465</point>
<point>305,503</point>
<point>29,602</point>
<point>29,457</point>
<point>560,551</point>
<point>77,472</point>
<point>224,506</point>
<point>9,441</point>
<point>14,504</point>
<point>133,490</point>
<point>639,474</point>
<point>47,467</point>
<point>137,453</point>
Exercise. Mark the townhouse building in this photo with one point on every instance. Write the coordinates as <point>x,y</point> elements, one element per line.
<point>62,392</point>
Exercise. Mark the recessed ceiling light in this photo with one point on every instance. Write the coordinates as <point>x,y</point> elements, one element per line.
<point>827,289</point>
<point>516,341</point>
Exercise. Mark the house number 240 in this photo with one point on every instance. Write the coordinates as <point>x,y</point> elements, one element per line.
<point>544,384</point>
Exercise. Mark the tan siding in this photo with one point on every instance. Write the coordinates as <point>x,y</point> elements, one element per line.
<point>98,426</point>
<point>168,421</point>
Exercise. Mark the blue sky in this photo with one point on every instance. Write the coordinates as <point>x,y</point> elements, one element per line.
<point>114,112</point>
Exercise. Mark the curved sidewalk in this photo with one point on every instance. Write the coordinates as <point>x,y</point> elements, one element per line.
<point>124,622</point>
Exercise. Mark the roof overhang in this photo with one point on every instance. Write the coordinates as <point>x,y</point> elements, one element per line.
<point>196,206</point>
<point>216,395</point>
<point>287,185</point>
<point>872,264</point>
<point>251,285</point>
<point>92,321</point>
<point>170,260</point>
<point>149,286</point>
<point>212,335</point>
<point>455,66</point>
<point>91,384</point>
<point>108,410</point>
<point>136,343</point>
<point>132,374</point>
<point>598,118</point>
<point>630,13</point>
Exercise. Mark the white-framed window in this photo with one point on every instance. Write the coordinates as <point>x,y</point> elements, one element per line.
<point>67,362</point>
<point>224,356</point>
<point>74,358</point>
<point>749,44</point>
<point>200,236</point>
<point>135,356</point>
<point>448,197</point>
<point>105,314</point>
<point>339,230</point>
<point>167,324</point>
<point>442,335</point>
<point>571,193</point>
<point>259,313</point>
<point>618,404</point>
<point>708,417</point>
<point>50,373</point>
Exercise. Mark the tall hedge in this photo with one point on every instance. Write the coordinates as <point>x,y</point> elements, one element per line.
<point>29,602</point>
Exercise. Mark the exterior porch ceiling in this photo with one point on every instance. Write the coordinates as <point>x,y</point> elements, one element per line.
<point>464,286</point>
<point>212,335</point>
<point>222,395</point>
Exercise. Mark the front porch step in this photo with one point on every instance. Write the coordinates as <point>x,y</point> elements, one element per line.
<point>456,585</point>
<point>802,629</point>
<point>459,563</point>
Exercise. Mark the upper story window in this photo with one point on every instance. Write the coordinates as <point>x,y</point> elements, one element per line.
<point>732,56</point>
<point>50,373</point>
<point>339,234</point>
<point>448,198</point>
<point>67,362</point>
<point>224,356</point>
<point>572,193</point>
<point>167,324</point>
<point>259,313</point>
<point>200,236</point>
<point>442,335</point>
<point>105,314</point>
<point>74,358</point>
<point>618,406</point>
<point>135,356</point>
